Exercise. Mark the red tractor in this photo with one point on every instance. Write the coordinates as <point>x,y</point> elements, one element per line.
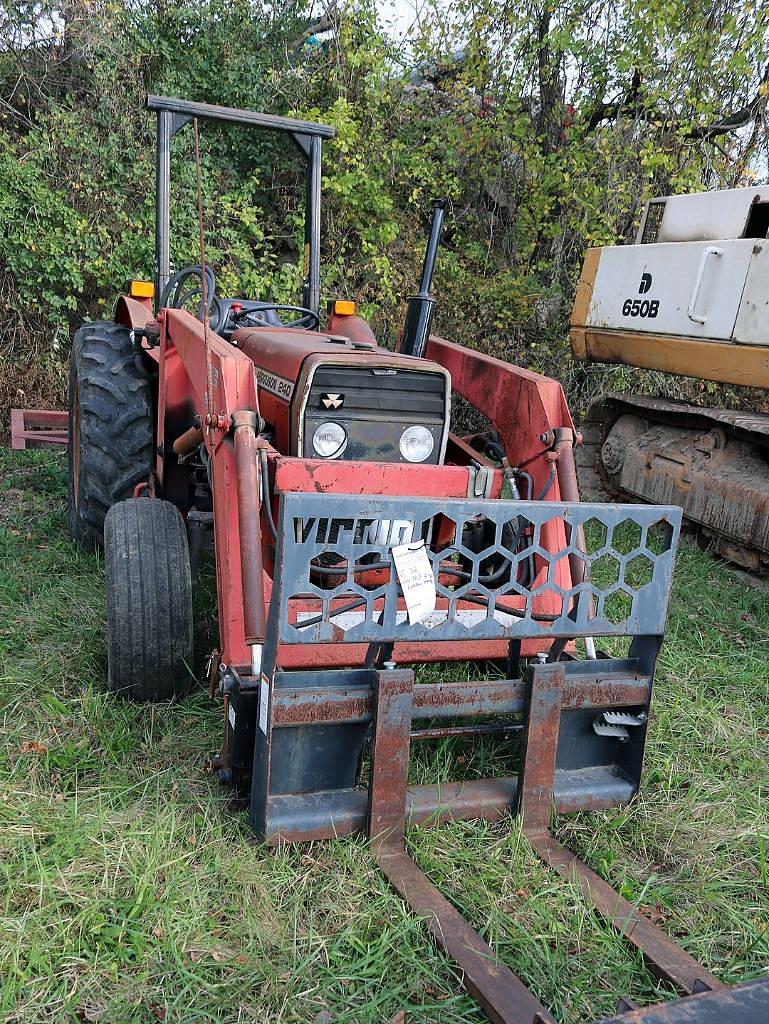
<point>356,536</point>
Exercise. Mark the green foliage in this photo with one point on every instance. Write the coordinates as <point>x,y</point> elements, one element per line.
<point>548,134</point>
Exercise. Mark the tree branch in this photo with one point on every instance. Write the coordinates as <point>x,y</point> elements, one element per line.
<point>322,24</point>
<point>738,118</point>
<point>728,123</point>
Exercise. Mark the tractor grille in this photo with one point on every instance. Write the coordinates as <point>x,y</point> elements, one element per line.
<point>375,405</point>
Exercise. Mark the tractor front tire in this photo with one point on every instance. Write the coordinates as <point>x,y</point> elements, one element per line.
<point>149,600</point>
<point>110,436</point>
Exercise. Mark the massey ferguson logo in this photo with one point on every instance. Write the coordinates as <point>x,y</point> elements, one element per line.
<point>329,401</point>
<point>645,285</point>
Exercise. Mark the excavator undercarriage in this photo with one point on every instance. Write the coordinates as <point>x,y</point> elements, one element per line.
<point>714,463</point>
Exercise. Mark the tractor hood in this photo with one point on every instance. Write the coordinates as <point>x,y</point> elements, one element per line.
<point>304,377</point>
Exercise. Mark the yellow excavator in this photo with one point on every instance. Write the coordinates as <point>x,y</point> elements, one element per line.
<point>689,297</point>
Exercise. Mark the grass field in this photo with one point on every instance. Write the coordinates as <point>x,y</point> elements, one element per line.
<point>130,892</point>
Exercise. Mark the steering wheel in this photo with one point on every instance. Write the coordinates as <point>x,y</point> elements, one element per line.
<point>176,297</point>
<point>309,318</point>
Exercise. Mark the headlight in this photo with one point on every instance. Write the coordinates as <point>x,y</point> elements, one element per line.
<point>329,440</point>
<point>416,444</point>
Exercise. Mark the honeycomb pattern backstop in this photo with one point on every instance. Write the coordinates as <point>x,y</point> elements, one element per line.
<point>500,568</point>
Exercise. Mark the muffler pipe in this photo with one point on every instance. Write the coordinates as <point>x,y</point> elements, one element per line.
<point>249,525</point>
<point>419,314</point>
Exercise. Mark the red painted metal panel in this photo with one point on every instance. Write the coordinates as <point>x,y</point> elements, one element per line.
<point>184,388</point>
<point>375,478</point>
<point>524,408</point>
<point>34,428</point>
<point>521,404</point>
<point>132,312</point>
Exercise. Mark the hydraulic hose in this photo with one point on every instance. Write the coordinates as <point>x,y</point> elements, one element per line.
<point>266,496</point>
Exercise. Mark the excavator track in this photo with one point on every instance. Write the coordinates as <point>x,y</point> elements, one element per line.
<point>712,462</point>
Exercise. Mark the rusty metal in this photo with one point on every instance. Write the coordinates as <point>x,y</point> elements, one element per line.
<point>319,705</point>
<point>188,442</point>
<point>212,671</point>
<point>325,704</point>
<point>664,957</point>
<point>549,696</point>
<point>503,996</point>
<point>535,793</point>
<point>390,756</point>
<point>713,462</point>
<point>469,731</point>
<point>36,428</point>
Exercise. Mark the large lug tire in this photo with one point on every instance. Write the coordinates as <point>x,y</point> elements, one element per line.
<point>110,441</point>
<point>149,600</point>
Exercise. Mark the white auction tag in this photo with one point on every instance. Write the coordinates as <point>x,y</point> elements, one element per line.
<point>415,574</point>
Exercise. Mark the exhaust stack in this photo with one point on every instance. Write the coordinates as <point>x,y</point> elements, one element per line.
<point>419,314</point>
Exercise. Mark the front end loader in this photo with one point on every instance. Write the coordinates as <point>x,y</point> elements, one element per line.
<point>356,537</point>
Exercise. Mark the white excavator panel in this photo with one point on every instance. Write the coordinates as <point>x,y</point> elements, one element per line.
<point>715,290</point>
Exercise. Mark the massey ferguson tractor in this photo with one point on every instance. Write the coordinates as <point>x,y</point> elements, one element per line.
<point>356,536</point>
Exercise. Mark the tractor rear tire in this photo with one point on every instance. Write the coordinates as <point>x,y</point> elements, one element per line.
<point>149,600</point>
<point>110,437</point>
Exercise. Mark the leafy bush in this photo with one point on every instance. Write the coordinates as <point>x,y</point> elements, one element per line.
<point>548,133</point>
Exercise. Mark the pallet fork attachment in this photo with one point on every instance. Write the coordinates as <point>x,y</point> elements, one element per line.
<point>502,995</point>
<point>304,788</point>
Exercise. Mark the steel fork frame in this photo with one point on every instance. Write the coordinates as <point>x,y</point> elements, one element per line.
<point>502,995</point>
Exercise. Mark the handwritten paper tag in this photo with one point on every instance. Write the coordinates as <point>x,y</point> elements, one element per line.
<point>415,574</point>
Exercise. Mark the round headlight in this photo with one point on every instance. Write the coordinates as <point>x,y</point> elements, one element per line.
<point>329,440</point>
<point>416,444</point>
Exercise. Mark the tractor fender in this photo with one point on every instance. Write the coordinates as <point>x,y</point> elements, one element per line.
<point>132,313</point>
